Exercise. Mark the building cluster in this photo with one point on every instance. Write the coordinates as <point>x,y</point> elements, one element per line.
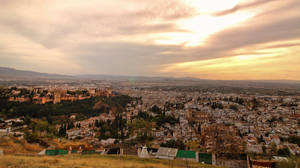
<point>12,127</point>
<point>217,121</point>
<point>214,121</point>
<point>43,95</point>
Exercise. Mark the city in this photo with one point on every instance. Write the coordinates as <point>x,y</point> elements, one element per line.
<point>208,120</point>
<point>149,84</point>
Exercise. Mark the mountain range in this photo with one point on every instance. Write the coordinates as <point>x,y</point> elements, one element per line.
<point>14,74</point>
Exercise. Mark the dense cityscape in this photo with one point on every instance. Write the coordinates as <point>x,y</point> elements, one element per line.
<point>206,120</point>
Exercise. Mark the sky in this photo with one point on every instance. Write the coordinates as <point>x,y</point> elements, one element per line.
<point>208,39</point>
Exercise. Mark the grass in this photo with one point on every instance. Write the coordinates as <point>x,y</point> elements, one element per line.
<point>290,163</point>
<point>92,161</point>
<point>13,145</point>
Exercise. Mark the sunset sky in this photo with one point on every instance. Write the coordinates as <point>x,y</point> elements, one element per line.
<point>208,39</point>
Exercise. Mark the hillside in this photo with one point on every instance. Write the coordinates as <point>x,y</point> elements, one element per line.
<point>92,161</point>
<point>11,73</point>
<point>13,145</point>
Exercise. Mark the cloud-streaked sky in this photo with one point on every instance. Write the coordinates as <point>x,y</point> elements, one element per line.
<point>228,39</point>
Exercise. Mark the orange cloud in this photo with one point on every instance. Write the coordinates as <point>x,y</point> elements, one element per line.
<point>271,63</point>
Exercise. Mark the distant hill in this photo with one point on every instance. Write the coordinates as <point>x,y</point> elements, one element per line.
<point>11,73</point>
<point>134,78</point>
<point>14,74</point>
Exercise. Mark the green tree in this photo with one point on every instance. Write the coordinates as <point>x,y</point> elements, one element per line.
<point>264,149</point>
<point>174,144</point>
<point>62,131</point>
<point>273,148</point>
<point>234,107</point>
<point>155,109</point>
<point>30,137</point>
<point>294,140</point>
<point>284,152</point>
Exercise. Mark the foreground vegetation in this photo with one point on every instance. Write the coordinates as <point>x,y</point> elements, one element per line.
<point>16,146</point>
<point>92,161</point>
<point>291,162</point>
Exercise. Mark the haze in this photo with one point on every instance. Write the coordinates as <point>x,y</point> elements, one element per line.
<point>228,39</point>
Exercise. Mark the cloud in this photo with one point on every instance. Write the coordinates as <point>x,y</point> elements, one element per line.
<point>243,6</point>
<point>239,52</point>
<point>50,24</point>
<point>120,36</point>
<point>120,58</point>
<point>91,33</point>
<point>260,29</point>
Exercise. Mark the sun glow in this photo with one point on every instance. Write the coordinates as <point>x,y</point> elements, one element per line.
<point>200,28</point>
<point>209,6</point>
<point>203,25</point>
